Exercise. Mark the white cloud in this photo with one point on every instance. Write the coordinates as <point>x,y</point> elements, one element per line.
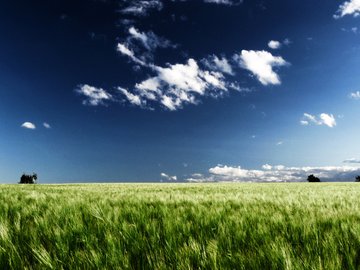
<point>149,89</point>
<point>28,125</point>
<point>133,99</point>
<point>123,49</point>
<point>140,36</point>
<point>149,40</point>
<point>261,64</point>
<point>279,143</point>
<point>187,77</point>
<point>266,167</point>
<point>274,44</point>
<point>46,125</point>
<point>168,177</point>
<point>351,7</point>
<point>141,8</point>
<point>174,85</point>
<point>355,95</point>
<point>328,119</point>
<point>287,41</point>
<point>199,178</point>
<point>322,119</point>
<point>219,64</point>
<point>179,84</point>
<point>352,160</point>
<point>278,173</point>
<point>310,117</point>
<point>184,81</point>
<point>94,96</point>
<point>353,30</point>
<point>224,2</point>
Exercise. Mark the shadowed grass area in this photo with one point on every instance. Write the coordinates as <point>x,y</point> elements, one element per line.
<point>182,226</point>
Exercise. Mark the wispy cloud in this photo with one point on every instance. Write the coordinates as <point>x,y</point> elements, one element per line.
<point>322,119</point>
<point>133,99</point>
<point>28,125</point>
<point>140,8</point>
<point>219,64</point>
<point>46,125</point>
<point>149,40</point>
<point>224,2</point>
<point>352,160</point>
<point>168,177</point>
<point>287,41</point>
<point>355,95</point>
<point>353,30</point>
<point>124,50</point>
<point>93,96</point>
<point>261,64</point>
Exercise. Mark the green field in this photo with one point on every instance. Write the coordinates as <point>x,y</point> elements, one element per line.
<point>180,226</point>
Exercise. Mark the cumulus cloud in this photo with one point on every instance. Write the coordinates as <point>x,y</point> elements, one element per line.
<point>322,119</point>
<point>351,7</point>
<point>189,77</point>
<point>168,177</point>
<point>328,120</point>
<point>266,167</point>
<point>274,44</point>
<point>178,84</point>
<point>261,64</point>
<point>46,125</point>
<point>93,96</point>
<point>277,173</point>
<point>175,84</point>
<point>355,95</point>
<point>28,125</point>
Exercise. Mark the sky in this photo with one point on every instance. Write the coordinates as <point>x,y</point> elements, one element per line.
<point>179,90</point>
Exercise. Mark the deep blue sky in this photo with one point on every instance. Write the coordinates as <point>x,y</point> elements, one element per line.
<point>52,52</point>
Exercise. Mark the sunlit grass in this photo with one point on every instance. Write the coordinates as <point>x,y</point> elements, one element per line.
<point>180,226</point>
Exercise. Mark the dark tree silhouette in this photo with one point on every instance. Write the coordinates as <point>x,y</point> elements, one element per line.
<point>312,178</point>
<point>357,179</point>
<point>28,179</point>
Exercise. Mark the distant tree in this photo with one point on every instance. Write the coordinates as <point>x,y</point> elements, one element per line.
<point>357,179</point>
<point>312,178</point>
<point>28,179</point>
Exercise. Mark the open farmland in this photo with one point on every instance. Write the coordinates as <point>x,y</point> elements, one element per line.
<point>182,226</point>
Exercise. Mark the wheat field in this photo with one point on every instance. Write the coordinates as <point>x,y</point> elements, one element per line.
<point>180,226</point>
